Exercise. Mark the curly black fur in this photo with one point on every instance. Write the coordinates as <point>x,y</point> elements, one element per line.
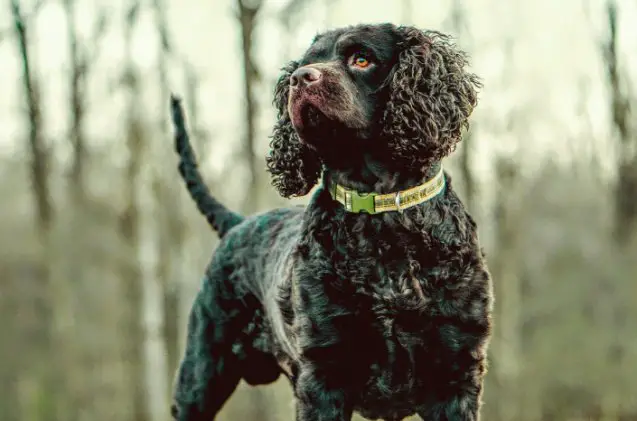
<point>295,168</point>
<point>431,99</point>
<point>388,315</point>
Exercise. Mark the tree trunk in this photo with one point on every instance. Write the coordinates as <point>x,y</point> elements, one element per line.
<point>459,28</point>
<point>626,187</point>
<point>131,282</point>
<point>153,257</point>
<point>155,358</point>
<point>45,400</point>
<point>76,77</point>
<point>78,352</point>
<point>39,155</point>
<point>132,352</point>
<point>507,341</point>
<point>172,248</point>
<point>467,173</point>
<point>80,295</point>
<point>248,12</point>
<point>626,184</point>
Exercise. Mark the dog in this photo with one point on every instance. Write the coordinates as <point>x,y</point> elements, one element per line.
<point>375,298</point>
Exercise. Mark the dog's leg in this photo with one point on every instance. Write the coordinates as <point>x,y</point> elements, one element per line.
<point>209,371</point>
<point>461,407</point>
<point>328,371</point>
<point>330,368</point>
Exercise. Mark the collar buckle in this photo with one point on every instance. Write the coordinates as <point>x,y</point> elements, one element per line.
<point>360,202</point>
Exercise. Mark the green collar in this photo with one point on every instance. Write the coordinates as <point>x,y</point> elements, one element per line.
<point>373,203</point>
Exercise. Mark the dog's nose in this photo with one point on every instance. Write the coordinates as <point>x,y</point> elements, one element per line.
<point>305,76</point>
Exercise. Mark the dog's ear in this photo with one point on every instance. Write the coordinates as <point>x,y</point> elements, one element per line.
<point>294,167</point>
<point>431,96</point>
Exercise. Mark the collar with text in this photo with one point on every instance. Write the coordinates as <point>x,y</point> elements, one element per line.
<point>373,203</point>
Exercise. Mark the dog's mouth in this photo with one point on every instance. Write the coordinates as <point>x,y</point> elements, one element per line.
<point>311,116</point>
<point>308,118</point>
<point>318,116</point>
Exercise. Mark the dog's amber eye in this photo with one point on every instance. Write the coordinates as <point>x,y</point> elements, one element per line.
<point>360,61</point>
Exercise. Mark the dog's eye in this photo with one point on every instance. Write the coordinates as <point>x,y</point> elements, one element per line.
<point>359,60</point>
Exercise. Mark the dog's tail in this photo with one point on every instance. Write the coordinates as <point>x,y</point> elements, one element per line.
<point>220,218</point>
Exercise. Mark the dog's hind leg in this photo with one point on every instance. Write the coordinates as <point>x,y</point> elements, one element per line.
<point>210,369</point>
<point>259,366</point>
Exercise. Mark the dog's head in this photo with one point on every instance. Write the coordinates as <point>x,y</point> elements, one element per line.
<point>402,93</point>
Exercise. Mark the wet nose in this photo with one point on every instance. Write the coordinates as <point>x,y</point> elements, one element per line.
<point>305,76</point>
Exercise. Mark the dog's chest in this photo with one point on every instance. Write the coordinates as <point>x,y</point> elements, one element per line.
<point>395,302</point>
<point>403,352</point>
<point>398,291</point>
<point>400,357</point>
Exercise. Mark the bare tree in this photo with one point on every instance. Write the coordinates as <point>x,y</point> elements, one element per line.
<point>248,11</point>
<point>148,241</point>
<point>173,261</point>
<point>40,158</point>
<point>132,289</point>
<point>505,265</point>
<point>76,88</point>
<point>466,171</point>
<point>626,187</point>
<point>75,280</point>
<point>132,293</point>
<point>39,155</point>
<point>81,59</point>
<point>40,175</point>
<point>508,310</point>
<point>151,253</point>
<point>460,29</point>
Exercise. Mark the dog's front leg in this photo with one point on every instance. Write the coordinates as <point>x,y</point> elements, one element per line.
<point>327,369</point>
<point>459,408</point>
<point>465,402</point>
<point>319,399</point>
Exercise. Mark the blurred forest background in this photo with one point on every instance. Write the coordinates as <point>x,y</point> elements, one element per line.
<point>101,251</point>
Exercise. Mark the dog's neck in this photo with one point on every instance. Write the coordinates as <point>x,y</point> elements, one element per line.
<point>369,175</point>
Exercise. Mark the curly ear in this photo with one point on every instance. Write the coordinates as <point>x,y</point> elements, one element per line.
<point>431,96</point>
<point>294,167</point>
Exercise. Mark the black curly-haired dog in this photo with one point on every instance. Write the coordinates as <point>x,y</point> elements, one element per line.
<point>375,298</point>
